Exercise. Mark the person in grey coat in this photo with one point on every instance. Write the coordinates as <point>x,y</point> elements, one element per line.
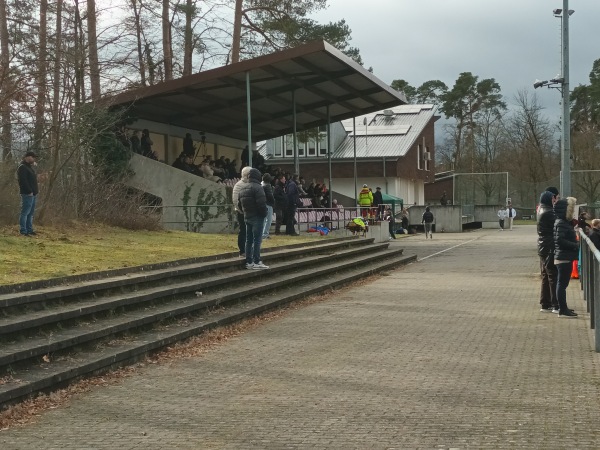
<point>238,211</point>
<point>253,203</point>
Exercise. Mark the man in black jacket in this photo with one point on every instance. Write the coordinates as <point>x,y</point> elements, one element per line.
<point>253,203</point>
<point>293,197</point>
<point>280,202</point>
<point>545,229</point>
<point>28,187</point>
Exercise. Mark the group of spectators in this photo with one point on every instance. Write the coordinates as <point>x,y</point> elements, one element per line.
<point>255,198</point>
<point>558,248</point>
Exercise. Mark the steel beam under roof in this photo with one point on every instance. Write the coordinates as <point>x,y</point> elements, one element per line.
<point>214,101</point>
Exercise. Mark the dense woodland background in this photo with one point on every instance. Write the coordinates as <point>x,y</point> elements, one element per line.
<point>57,58</point>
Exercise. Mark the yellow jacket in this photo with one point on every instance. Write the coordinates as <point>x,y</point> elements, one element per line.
<point>365,197</point>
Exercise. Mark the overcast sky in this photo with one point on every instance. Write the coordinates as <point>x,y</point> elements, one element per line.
<point>513,41</point>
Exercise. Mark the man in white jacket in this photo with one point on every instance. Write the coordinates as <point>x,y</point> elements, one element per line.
<point>511,213</point>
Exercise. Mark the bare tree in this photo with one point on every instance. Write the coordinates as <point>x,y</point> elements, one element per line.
<point>5,106</point>
<point>93,49</point>
<point>166,35</point>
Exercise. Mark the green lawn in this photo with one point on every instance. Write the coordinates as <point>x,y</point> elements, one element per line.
<point>82,248</point>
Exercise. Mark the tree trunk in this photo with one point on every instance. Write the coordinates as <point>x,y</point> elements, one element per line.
<point>167,46</point>
<point>93,50</point>
<point>5,77</point>
<point>189,46</point>
<point>237,32</point>
<point>54,141</point>
<point>42,68</point>
<point>140,45</point>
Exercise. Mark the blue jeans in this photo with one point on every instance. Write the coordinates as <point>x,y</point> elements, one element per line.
<point>268,221</point>
<point>254,229</point>
<point>27,210</point>
<point>562,282</point>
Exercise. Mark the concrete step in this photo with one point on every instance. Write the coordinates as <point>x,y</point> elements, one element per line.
<point>59,372</point>
<point>38,294</point>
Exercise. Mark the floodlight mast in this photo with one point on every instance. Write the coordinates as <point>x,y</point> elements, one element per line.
<point>561,82</point>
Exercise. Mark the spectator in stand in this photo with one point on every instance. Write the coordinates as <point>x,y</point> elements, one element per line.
<point>245,156</point>
<point>595,233</point>
<point>427,220</point>
<point>231,170</point>
<point>293,197</point>
<point>238,210</point>
<point>146,145</point>
<point>545,230</point>
<point>310,191</point>
<point>188,145</point>
<point>266,184</point>
<point>301,184</point>
<point>208,172</point>
<point>316,197</point>
<point>444,199</point>
<point>253,203</point>
<point>258,161</point>
<point>566,250</point>
<point>335,204</point>
<point>365,200</point>
<point>184,162</point>
<point>281,202</point>
<point>378,202</point>
<point>324,196</point>
<point>136,143</point>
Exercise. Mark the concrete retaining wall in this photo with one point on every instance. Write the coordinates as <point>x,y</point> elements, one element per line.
<point>447,219</point>
<point>186,199</point>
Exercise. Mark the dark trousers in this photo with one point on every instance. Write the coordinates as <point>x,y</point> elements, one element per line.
<point>241,233</point>
<point>391,229</point>
<point>290,216</point>
<point>501,222</point>
<point>278,219</point>
<point>549,277</point>
<point>564,276</point>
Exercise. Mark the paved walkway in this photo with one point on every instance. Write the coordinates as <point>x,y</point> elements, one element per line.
<point>448,352</point>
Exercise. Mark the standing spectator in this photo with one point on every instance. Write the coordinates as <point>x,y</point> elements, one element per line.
<point>387,215</point>
<point>280,202</point>
<point>188,145</point>
<point>427,220</point>
<point>28,188</point>
<point>365,200</point>
<point>502,214</point>
<point>136,143</point>
<point>511,213</point>
<point>595,233</point>
<point>293,201</point>
<point>245,156</point>
<point>444,199</point>
<point>238,210</point>
<point>146,145</point>
<point>378,202</point>
<point>253,203</point>
<point>405,218</point>
<point>566,250</point>
<point>545,230</point>
<point>266,184</point>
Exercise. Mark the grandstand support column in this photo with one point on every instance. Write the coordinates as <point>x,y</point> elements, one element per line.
<point>355,171</point>
<point>249,111</point>
<point>295,135</point>
<point>329,155</point>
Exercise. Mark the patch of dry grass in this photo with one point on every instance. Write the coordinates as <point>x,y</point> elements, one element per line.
<point>82,248</point>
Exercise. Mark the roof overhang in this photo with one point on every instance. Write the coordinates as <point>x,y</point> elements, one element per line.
<point>316,74</point>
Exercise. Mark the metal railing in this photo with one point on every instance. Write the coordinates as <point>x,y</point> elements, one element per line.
<point>589,276</point>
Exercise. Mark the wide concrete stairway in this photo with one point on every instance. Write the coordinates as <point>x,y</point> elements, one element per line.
<point>56,332</point>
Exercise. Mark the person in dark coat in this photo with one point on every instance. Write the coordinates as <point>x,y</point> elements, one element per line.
<point>268,188</point>
<point>146,145</point>
<point>427,220</point>
<point>378,202</point>
<point>253,203</point>
<point>135,142</point>
<point>280,202</point>
<point>188,145</point>
<point>238,210</point>
<point>595,233</point>
<point>545,230</point>
<point>566,250</point>
<point>293,201</point>
<point>28,188</point>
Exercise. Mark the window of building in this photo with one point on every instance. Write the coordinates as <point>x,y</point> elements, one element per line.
<point>322,150</point>
<point>312,151</point>
<point>289,152</point>
<point>419,157</point>
<point>300,151</point>
<point>427,161</point>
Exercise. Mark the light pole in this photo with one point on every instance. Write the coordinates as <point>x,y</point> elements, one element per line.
<point>561,82</point>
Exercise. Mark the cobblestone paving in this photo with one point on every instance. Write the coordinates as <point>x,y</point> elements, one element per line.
<point>448,352</point>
